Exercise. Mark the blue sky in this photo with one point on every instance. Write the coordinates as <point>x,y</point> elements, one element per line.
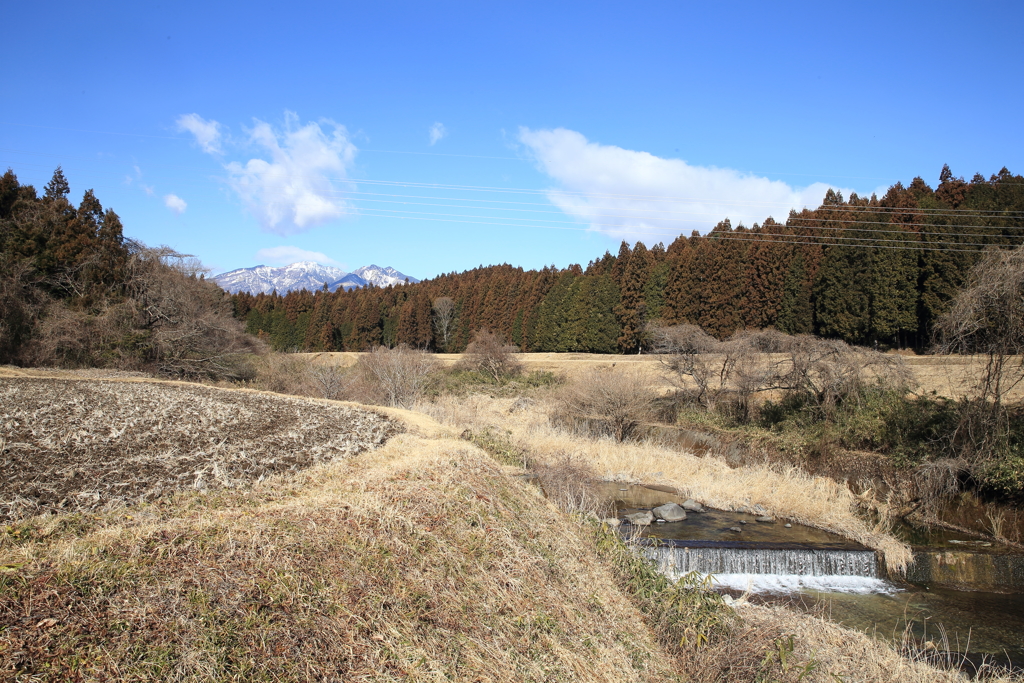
<point>435,137</point>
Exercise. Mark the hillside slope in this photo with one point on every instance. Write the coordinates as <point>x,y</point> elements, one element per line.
<point>422,560</point>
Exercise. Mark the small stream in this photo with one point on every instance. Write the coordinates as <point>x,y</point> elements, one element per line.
<point>819,571</point>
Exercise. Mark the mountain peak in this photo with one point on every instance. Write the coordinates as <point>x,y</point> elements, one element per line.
<point>308,275</point>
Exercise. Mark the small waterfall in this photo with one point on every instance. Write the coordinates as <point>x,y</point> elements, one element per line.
<point>773,569</point>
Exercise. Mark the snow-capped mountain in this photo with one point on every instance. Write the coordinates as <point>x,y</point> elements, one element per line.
<point>302,275</point>
<point>382,277</point>
<point>306,275</point>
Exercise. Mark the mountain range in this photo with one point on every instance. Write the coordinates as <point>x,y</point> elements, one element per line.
<point>307,275</point>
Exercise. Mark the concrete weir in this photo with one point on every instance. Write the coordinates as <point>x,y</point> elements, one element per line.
<point>771,567</point>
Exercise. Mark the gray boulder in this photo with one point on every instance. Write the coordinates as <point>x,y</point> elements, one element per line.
<point>670,512</point>
<point>736,529</point>
<point>692,505</point>
<point>766,519</point>
<point>640,518</point>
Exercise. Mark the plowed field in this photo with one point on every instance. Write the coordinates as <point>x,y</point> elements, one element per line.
<point>81,444</point>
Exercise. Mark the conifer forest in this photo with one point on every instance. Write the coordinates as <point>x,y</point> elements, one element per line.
<point>875,271</point>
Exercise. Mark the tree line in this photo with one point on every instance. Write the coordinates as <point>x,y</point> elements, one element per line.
<point>75,292</point>
<point>873,270</point>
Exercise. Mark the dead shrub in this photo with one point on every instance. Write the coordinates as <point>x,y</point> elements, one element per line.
<point>620,400</point>
<point>768,340</point>
<point>830,371</point>
<point>939,482</point>
<point>489,353</point>
<point>394,377</point>
<point>752,363</point>
<point>332,381</point>
<point>284,373</point>
<point>568,482</point>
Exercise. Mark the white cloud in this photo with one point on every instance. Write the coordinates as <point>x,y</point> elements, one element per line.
<point>437,131</point>
<point>636,195</point>
<point>287,255</point>
<point>207,133</point>
<point>175,203</point>
<point>295,190</point>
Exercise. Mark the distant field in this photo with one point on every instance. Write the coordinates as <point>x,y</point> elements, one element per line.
<point>950,376</point>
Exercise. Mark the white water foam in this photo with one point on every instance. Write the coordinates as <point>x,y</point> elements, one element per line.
<point>765,570</point>
<point>793,583</point>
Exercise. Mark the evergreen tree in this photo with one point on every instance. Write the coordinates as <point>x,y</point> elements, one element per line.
<point>796,313</point>
<point>632,309</point>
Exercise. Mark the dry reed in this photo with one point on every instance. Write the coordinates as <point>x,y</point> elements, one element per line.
<point>779,491</point>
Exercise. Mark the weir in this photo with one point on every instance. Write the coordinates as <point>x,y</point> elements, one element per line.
<point>742,553</point>
<point>771,567</point>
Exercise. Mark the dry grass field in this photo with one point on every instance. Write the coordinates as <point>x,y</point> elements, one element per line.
<point>422,559</point>
<point>949,376</point>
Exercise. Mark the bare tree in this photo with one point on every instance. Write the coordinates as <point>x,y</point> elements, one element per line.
<point>987,318</point>
<point>753,362</point>
<point>830,371</point>
<point>444,320</point>
<point>396,375</point>
<point>757,367</point>
<point>189,319</point>
<point>621,399</point>
<point>692,355</point>
<point>490,354</point>
<point>331,380</point>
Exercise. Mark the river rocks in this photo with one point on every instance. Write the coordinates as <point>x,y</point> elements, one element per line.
<point>788,525</point>
<point>670,512</point>
<point>692,506</point>
<point>640,518</point>
<point>611,521</point>
<point>765,519</point>
<point>736,529</point>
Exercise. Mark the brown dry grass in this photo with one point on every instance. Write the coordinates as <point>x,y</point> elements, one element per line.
<point>779,491</point>
<point>949,376</point>
<point>419,561</point>
<point>422,560</point>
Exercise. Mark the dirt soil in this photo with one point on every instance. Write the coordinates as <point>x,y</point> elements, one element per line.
<point>83,444</point>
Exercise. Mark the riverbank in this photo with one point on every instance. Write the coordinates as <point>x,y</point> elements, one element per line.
<point>424,558</point>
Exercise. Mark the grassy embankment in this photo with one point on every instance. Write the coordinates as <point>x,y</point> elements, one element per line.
<point>424,559</point>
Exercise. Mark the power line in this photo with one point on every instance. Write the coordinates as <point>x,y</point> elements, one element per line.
<point>739,204</point>
<point>661,231</point>
<point>639,214</point>
<point>718,236</point>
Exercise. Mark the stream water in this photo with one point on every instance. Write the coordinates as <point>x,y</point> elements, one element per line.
<point>819,571</point>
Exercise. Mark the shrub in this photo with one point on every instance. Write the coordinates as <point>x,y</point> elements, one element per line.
<point>568,482</point>
<point>491,354</point>
<point>620,399</point>
<point>395,377</point>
